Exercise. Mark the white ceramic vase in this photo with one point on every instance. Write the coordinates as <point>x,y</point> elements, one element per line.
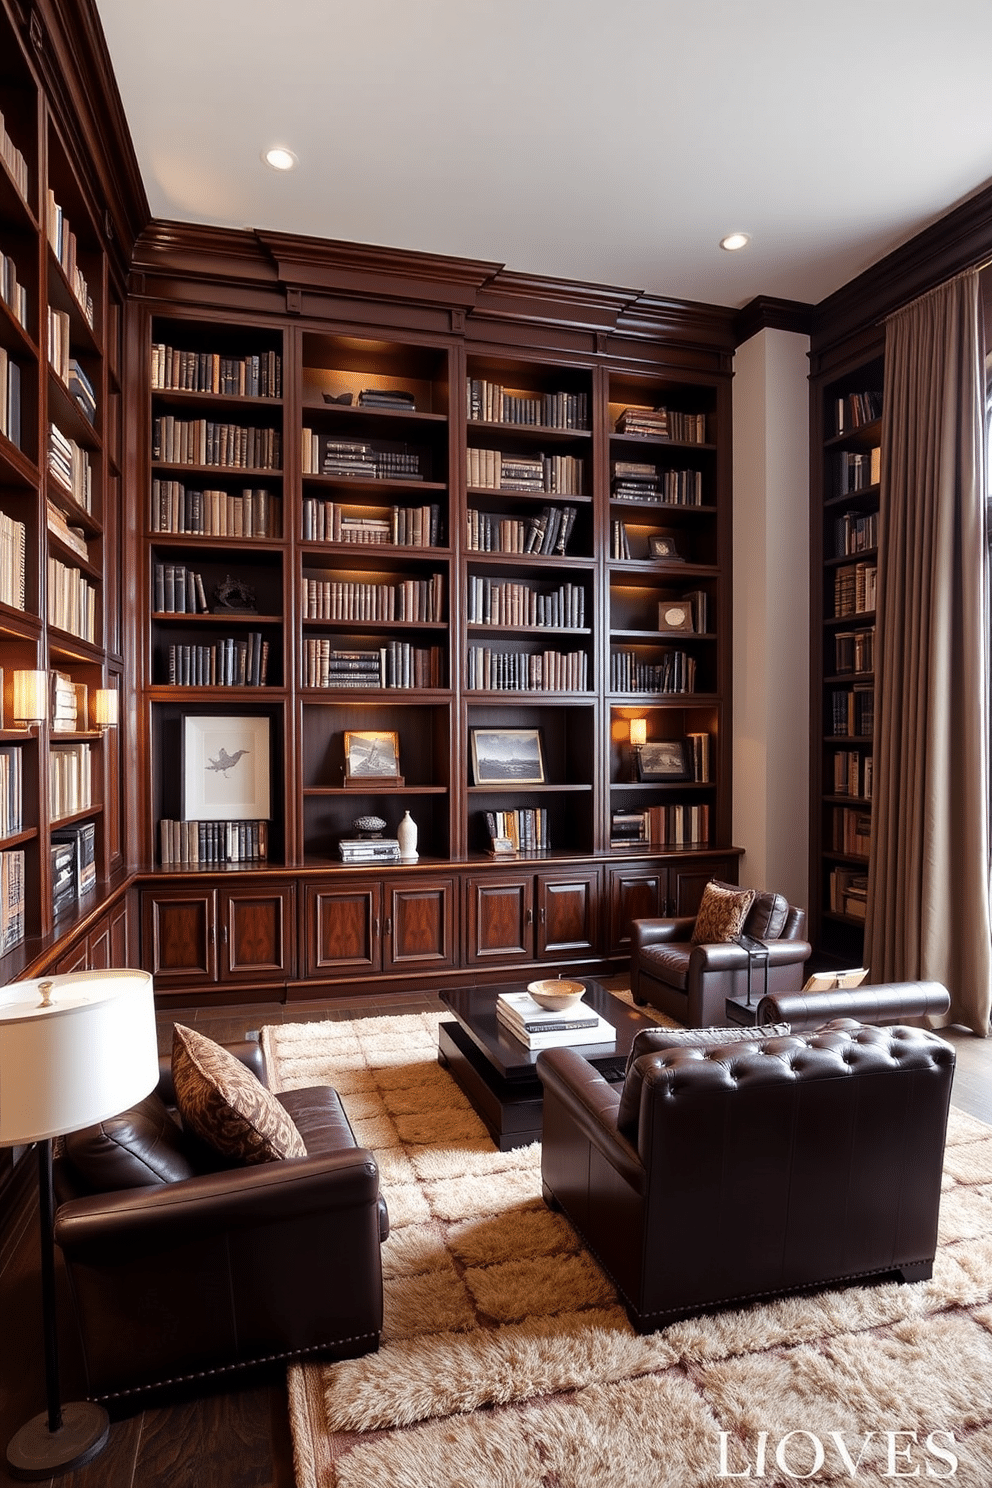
<point>406,836</point>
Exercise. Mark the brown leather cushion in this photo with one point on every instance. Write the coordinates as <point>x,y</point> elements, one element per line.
<point>766,919</point>
<point>141,1147</point>
<point>668,961</point>
<point>224,1104</point>
<point>653,1040</point>
<point>722,912</point>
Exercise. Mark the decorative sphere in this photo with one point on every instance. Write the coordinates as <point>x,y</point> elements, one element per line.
<point>371,824</point>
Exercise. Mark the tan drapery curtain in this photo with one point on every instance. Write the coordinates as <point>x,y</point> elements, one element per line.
<point>928,885</point>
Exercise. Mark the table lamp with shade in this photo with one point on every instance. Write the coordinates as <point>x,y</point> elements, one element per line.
<point>74,1050</point>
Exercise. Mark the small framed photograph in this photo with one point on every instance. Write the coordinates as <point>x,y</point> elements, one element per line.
<point>507,756</point>
<point>225,768</point>
<point>675,614</point>
<point>664,759</point>
<point>372,754</point>
<point>664,547</point>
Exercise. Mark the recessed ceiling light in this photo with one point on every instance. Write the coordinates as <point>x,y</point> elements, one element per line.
<point>279,158</point>
<point>736,240</point>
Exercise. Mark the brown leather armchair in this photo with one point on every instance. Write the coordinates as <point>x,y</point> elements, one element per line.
<point>720,1175</point>
<point>184,1281</point>
<point>691,983</point>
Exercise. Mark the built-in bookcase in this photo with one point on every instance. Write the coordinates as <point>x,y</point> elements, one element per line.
<point>847,415</point>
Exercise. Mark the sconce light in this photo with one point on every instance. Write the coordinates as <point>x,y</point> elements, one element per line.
<point>29,698</point>
<point>104,708</point>
<point>638,732</point>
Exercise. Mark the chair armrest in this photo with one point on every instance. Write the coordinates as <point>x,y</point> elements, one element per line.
<point>592,1104</point>
<point>731,957</point>
<point>656,932</point>
<point>888,1003</point>
<point>161,1217</point>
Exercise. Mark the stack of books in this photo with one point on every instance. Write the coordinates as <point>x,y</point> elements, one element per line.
<point>369,850</point>
<point>540,1029</point>
<point>386,398</point>
<point>65,718</point>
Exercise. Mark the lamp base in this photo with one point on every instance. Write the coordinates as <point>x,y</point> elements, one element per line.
<point>34,1452</point>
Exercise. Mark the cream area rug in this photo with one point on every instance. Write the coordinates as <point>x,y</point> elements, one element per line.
<point>507,1362</point>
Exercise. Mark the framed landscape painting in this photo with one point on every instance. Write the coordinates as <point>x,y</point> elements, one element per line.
<point>507,756</point>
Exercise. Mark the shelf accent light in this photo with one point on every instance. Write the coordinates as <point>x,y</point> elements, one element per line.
<point>638,732</point>
<point>104,708</point>
<point>29,698</point>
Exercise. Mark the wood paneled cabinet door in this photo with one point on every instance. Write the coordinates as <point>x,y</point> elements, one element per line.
<point>519,917</point>
<point>239,935</point>
<point>179,935</point>
<point>372,925</point>
<point>647,890</point>
<point>256,934</point>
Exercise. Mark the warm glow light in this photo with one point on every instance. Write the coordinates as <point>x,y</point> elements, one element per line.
<point>29,701</point>
<point>735,240</point>
<point>279,158</point>
<point>105,708</point>
<point>638,731</point>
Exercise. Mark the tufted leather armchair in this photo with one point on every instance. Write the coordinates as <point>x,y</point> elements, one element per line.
<point>720,1175</point>
<point>200,1273</point>
<point>691,983</point>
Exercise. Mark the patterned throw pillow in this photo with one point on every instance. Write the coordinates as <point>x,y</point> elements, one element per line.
<point>225,1105</point>
<point>722,913</point>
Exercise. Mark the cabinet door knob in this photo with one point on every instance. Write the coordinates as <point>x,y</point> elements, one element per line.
<point>529,917</point>
<point>389,924</point>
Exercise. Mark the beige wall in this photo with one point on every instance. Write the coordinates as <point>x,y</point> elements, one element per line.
<point>771,612</point>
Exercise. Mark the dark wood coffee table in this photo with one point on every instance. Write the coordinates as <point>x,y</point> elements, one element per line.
<point>497,1072</point>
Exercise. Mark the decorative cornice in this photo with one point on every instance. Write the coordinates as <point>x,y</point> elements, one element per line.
<point>529,297</point>
<point>690,322</point>
<point>382,273</point>
<point>193,250</point>
<point>766,313</point>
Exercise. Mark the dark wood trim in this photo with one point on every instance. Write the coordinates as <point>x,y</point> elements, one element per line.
<point>766,313</point>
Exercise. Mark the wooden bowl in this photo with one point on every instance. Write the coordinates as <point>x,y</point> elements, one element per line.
<point>556,993</point>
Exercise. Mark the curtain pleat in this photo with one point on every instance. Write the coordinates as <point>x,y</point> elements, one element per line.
<point>928,883</point>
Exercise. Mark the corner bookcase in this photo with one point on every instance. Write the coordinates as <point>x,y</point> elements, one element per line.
<point>847,396</point>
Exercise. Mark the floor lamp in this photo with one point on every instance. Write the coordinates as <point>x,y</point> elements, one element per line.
<point>73,1050</point>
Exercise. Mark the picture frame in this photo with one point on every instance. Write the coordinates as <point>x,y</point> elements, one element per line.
<point>664,759</point>
<point>226,775</point>
<point>372,756</point>
<point>507,756</point>
<point>675,615</point>
<point>664,547</point>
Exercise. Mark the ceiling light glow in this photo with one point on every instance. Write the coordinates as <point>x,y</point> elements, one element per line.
<point>735,240</point>
<point>279,158</point>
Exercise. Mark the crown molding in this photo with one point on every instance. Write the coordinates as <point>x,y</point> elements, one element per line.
<point>766,313</point>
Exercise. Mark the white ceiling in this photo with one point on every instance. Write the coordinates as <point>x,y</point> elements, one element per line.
<point>613,143</point>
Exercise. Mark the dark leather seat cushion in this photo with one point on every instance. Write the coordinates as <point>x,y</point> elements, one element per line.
<point>141,1147</point>
<point>654,1040</point>
<point>668,962</point>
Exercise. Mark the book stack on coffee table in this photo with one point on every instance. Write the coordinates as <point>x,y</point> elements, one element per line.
<point>540,1029</point>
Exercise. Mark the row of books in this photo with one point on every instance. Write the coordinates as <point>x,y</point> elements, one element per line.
<point>856,470</point>
<point>230,662</point>
<point>629,672</point>
<point>508,602</point>
<point>403,526</point>
<point>14,160</point>
<point>399,664</point>
<point>699,755</point>
<point>855,532</point>
<point>72,537</point>
<point>493,470</point>
<point>250,512</point>
<point>418,600</point>
<point>177,590</point>
<point>545,532</point>
<point>12,899</point>
<point>851,831</point>
<point>70,464</point>
<point>524,830</point>
<point>70,779</point>
<point>849,892</point>
<point>73,862</point>
<point>255,376</point>
<point>854,588</point>
<point>853,712</point>
<point>67,367</point>
<point>383,460</point>
<point>208,843</point>
<point>663,423</point>
<point>11,790</point>
<point>205,442</point>
<point>537,1028</point>
<point>677,825</point>
<point>854,650</point>
<point>489,403</point>
<point>12,292</point>
<point>71,601</point>
<point>63,244</point>
<point>13,561</point>
<point>10,398</point>
<point>852,774</point>
<point>635,480</point>
<point>524,671</point>
<point>854,410</point>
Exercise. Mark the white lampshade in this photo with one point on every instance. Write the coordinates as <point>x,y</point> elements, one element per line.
<point>638,731</point>
<point>29,697</point>
<point>105,707</point>
<point>89,1054</point>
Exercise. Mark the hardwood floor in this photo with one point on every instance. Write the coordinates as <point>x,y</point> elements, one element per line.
<point>238,1438</point>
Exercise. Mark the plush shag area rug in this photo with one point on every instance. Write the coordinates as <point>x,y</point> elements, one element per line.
<point>507,1362</point>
